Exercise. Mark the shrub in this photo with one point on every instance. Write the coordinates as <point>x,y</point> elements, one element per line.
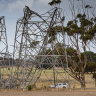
<point>29,87</point>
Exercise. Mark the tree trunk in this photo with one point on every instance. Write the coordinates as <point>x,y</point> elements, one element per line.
<point>83,80</point>
<point>83,84</point>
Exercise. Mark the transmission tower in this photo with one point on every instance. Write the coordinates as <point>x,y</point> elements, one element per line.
<point>4,55</point>
<point>38,40</point>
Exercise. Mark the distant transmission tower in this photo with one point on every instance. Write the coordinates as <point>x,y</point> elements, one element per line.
<point>38,42</point>
<point>4,55</point>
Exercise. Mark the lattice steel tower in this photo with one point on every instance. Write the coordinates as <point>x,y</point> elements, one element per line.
<point>39,41</point>
<point>4,54</point>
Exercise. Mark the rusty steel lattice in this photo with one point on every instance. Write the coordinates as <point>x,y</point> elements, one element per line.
<point>4,56</point>
<point>36,38</point>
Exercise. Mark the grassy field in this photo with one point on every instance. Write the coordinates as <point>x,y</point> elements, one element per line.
<point>46,78</point>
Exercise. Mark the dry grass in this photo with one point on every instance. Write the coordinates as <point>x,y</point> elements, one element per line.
<point>43,81</point>
<point>42,90</point>
<point>88,92</point>
<point>47,75</point>
<point>90,83</point>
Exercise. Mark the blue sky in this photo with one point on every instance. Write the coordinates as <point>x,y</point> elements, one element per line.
<point>13,10</point>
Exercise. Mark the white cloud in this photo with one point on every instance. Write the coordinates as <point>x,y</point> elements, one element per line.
<point>45,1</point>
<point>19,5</point>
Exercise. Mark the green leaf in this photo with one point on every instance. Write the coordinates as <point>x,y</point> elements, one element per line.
<point>54,2</point>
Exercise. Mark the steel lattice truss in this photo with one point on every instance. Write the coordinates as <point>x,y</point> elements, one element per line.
<point>4,55</point>
<point>36,38</point>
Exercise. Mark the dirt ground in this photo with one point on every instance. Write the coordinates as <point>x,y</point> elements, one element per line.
<point>48,93</point>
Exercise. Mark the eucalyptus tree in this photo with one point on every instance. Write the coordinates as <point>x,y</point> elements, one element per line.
<point>81,31</point>
<point>53,2</point>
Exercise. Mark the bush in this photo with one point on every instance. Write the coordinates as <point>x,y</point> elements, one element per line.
<point>94,75</point>
<point>29,87</point>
